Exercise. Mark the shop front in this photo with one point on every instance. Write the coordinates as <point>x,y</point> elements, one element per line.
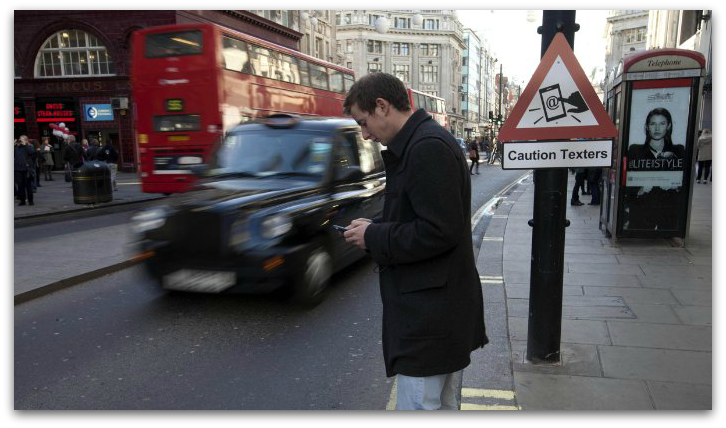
<point>88,108</point>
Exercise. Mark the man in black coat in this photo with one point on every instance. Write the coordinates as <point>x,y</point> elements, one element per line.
<point>432,299</point>
<point>22,159</point>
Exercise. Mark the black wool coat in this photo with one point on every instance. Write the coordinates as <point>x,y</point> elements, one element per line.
<point>433,315</point>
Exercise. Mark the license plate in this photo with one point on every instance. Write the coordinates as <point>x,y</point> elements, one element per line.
<point>199,281</point>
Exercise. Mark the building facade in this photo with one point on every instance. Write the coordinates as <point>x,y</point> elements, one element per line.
<point>67,62</point>
<point>316,26</point>
<point>626,32</point>
<point>471,80</point>
<point>686,29</point>
<point>425,55</point>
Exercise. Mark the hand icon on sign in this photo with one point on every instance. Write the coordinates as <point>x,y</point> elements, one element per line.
<point>575,99</point>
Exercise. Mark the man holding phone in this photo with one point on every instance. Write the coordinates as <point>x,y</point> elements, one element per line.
<point>432,299</point>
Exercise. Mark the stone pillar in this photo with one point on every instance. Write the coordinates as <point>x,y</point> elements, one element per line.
<point>415,65</point>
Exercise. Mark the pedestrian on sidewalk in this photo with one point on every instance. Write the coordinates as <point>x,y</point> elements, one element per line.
<point>22,159</point>
<point>74,154</point>
<point>432,302</point>
<point>579,185</point>
<point>704,156</point>
<point>38,161</point>
<point>109,155</point>
<point>47,152</point>
<point>85,147</point>
<point>92,152</point>
<point>474,157</point>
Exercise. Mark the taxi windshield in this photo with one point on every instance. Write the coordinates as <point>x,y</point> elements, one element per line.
<point>274,152</point>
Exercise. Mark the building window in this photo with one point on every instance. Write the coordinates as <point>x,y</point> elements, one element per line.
<point>431,24</point>
<point>338,47</point>
<point>73,53</point>
<point>348,19</point>
<point>372,19</point>
<point>375,46</point>
<point>634,35</point>
<point>429,73</point>
<point>400,48</point>
<point>374,67</point>
<point>337,18</point>
<point>349,46</point>
<point>349,65</point>
<point>402,72</point>
<point>319,52</point>
<point>402,22</point>
<point>429,50</point>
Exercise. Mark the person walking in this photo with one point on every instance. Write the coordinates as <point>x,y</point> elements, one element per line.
<point>22,159</point>
<point>109,155</point>
<point>93,150</point>
<point>46,151</point>
<point>74,154</point>
<point>38,162</point>
<point>704,156</point>
<point>474,157</point>
<point>579,185</point>
<point>430,288</point>
<point>593,178</point>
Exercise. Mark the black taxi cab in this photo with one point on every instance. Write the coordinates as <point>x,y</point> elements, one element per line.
<point>262,216</point>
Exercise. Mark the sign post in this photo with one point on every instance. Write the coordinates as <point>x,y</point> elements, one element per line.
<point>558,123</point>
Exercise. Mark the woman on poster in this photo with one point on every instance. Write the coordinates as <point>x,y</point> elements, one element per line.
<point>658,142</point>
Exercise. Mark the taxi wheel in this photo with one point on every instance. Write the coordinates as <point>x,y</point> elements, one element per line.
<point>313,279</point>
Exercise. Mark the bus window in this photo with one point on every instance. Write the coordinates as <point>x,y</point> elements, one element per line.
<point>318,77</point>
<point>304,72</point>
<point>173,44</point>
<point>427,100</point>
<point>260,61</point>
<point>235,55</point>
<point>348,79</point>
<point>418,101</point>
<point>336,80</point>
<point>290,70</point>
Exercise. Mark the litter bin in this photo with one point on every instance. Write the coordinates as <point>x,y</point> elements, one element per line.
<point>92,183</point>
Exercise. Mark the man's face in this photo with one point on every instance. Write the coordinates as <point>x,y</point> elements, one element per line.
<point>374,126</point>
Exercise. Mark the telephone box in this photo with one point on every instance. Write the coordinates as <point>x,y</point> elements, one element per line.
<point>654,101</point>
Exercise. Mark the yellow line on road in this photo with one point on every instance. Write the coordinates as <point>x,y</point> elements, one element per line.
<point>469,406</point>
<point>392,399</point>
<point>489,393</point>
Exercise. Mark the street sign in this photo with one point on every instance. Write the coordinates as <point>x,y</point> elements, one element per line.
<point>557,154</point>
<point>559,102</point>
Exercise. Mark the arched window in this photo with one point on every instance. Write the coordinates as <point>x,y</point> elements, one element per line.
<point>73,53</point>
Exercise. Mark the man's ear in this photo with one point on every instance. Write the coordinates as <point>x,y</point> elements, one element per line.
<point>383,104</point>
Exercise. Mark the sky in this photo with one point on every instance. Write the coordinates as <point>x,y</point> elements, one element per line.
<point>513,38</point>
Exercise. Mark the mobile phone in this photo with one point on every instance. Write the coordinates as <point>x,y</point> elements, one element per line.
<point>553,107</point>
<point>340,229</point>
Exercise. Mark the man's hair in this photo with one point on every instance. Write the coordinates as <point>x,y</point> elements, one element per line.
<point>94,142</point>
<point>364,92</point>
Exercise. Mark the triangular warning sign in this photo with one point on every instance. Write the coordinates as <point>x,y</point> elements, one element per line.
<point>559,102</point>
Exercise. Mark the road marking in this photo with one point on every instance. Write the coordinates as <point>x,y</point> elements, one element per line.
<point>489,393</point>
<point>493,238</point>
<point>392,399</point>
<point>469,406</point>
<point>493,201</point>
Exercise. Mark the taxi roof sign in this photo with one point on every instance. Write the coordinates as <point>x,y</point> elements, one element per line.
<point>558,102</point>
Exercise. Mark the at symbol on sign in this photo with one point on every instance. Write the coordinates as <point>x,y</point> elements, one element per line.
<point>552,102</point>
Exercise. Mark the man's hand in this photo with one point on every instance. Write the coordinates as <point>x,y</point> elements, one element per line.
<point>356,232</point>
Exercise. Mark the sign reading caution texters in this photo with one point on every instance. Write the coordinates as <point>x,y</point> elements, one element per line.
<point>558,122</point>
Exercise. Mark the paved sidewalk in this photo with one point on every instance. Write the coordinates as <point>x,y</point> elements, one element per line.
<point>85,256</point>
<point>55,197</point>
<point>636,330</point>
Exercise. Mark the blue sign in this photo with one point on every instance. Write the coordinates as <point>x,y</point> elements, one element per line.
<point>97,112</point>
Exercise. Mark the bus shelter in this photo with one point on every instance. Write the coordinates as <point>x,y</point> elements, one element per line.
<point>654,101</point>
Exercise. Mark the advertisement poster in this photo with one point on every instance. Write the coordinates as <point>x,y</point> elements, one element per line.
<point>656,158</point>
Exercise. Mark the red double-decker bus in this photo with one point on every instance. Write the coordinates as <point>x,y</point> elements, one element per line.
<point>433,105</point>
<point>192,82</point>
